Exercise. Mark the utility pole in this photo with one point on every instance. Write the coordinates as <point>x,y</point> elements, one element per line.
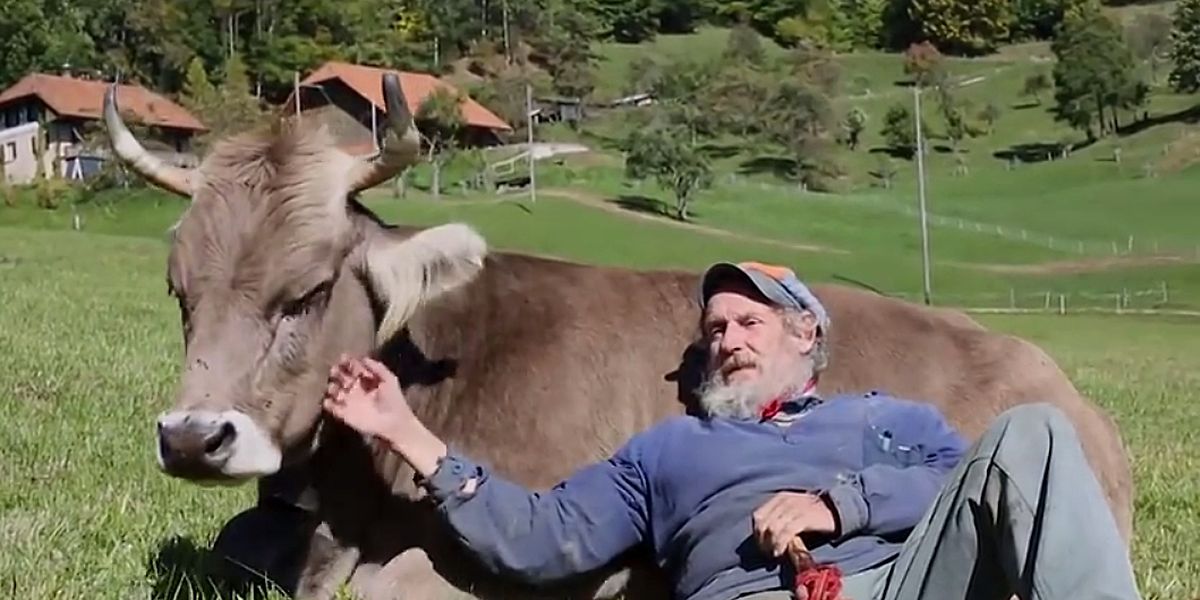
<point>529,127</point>
<point>296,92</point>
<point>504,13</point>
<point>921,191</point>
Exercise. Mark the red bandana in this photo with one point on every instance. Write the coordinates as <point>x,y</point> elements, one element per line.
<point>772,408</point>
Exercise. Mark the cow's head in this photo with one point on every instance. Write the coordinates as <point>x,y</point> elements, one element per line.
<point>277,270</point>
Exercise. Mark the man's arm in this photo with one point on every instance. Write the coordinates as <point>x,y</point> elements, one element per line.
<point>883,499</point>
<point>579,525</point>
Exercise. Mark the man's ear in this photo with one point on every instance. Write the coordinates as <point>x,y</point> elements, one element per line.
<point>805,330</point>
<point>408,273</point>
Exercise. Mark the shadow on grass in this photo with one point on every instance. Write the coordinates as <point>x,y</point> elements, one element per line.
<point>1033,151</point>
<point>716,151</point>
<point>180,569</point>
<point>1187,115</point>
<point>643,204</point>
<point>774,165</point>
<point>1026,105</point>
<point>899,153</point>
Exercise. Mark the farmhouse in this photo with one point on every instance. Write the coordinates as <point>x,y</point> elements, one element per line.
<point>51,115</point>
<point>348,100</point>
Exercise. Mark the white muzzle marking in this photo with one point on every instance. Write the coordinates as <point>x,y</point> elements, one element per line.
<point>250,453</point>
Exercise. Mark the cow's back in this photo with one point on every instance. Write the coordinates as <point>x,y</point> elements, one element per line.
<point>542,366</point>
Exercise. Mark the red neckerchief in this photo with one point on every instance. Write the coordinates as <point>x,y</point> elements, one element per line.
<point>772,408</point>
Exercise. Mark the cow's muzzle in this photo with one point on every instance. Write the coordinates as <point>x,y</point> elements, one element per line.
<point>206,446</point>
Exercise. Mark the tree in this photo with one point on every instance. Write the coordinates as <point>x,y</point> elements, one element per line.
<point>504,94</point>
<point>989,115</point>
<point>644,73</point>
<point>564,49</point>
<point>953,111</point>
<point>1094,75</point>
<point>627,21</point>
<point>885,171</point>
<point>200,96</point>
<point>1035,19</point>
<point>925,64</point>
<point>1035,84</point>
<point>439,118</point>
<point>735,100</point>
<point>800,118</point>
<point>664,153</point>
<point>864,22</point>
<point>958,27</point>
<point>1149,37</point>
<point>1185,47</point>
<point>853,125</point>
<point>821,24</point>
<point>677,91</point>
<point>899,130</point>
<point>744,46</point>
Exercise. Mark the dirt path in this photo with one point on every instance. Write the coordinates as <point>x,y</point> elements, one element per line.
<point>599,201</point>
<point>1080,265</point>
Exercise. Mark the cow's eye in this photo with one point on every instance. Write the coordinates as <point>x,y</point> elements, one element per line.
<point>311,299</point>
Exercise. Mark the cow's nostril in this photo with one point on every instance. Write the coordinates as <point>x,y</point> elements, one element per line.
<point>223,436</point>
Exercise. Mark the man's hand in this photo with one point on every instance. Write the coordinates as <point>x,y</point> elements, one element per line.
<point>787,515</point>
<point>365,395</point>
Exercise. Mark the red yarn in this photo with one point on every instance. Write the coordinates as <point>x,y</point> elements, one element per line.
<point>819,583</point>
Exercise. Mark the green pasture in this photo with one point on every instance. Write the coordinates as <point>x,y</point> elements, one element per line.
<point>91,350</point>
<point>89,339</point>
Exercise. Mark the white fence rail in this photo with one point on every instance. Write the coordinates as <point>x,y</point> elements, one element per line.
<point>1126,245</point>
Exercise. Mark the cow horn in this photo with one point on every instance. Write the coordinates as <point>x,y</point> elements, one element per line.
<point>401,141</point>
<point>127,147</point>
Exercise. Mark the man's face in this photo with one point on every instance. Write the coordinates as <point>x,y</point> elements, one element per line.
<point>753,354</point>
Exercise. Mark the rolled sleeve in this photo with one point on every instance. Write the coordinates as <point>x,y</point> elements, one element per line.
<point>445,484</point>
<point>541,536</point>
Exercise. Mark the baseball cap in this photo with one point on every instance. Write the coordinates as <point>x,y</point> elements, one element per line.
<point>777,284</point>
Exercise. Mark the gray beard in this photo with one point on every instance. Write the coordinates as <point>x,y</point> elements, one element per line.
<point>745,400</point>
<point>733,401</point>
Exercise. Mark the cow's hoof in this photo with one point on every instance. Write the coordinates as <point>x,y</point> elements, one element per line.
<point>263,547</point>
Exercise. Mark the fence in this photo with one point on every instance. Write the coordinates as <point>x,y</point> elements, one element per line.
<point>1156,300</point>
<point>1127,245</point>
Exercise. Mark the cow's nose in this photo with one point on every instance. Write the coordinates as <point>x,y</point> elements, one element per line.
<point>194,444</point>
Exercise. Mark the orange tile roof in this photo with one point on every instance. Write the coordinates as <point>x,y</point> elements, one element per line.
<point>85,98</point>
<point>416,86</point>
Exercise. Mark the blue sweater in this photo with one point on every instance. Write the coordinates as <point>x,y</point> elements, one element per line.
<point>687,487</point>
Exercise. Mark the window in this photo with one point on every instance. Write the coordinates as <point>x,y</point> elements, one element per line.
<point>31,113</point>
<point>10,152</point>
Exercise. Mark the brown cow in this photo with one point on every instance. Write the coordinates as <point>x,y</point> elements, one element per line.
<point>278,269</point>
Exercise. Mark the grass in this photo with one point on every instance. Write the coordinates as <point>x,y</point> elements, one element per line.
<point>92,345</point>
<point>91,341</point>
<point>862,242</point>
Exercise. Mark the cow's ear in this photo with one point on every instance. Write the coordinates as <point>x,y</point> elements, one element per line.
<point>410,272</point>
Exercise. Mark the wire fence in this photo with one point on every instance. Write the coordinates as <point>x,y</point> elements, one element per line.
<point>1125,246</point>
<point>1155,300</point>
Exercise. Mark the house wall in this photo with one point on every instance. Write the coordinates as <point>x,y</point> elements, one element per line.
<point>63,143</point>
<point>16,149</point>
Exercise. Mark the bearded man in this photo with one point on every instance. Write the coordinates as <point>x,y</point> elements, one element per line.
<point>773,480</point>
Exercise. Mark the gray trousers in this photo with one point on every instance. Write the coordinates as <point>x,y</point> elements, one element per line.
<point>1023,514</point>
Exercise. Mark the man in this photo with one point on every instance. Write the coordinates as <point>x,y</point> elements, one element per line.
<point>773,477</point>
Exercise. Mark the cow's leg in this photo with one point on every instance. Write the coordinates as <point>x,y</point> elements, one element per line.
<point>408,576</point>
<point>328,565</point>
<point>263,545</point>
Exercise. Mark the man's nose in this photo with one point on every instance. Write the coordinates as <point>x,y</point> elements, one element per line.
<point>194,443</point>
<point>733,339</point>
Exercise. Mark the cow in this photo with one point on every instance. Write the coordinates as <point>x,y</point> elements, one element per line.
<point>533,364</point>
